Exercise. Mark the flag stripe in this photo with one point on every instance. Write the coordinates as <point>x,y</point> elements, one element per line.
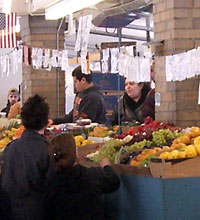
<point>7,31</point>
<point>14,37</point>
<point>8,38</point>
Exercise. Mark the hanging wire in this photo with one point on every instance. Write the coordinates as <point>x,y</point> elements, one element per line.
<point>119,32</point>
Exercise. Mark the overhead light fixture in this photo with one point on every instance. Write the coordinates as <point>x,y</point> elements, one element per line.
<point>66,7</point>
<point>7,6</point>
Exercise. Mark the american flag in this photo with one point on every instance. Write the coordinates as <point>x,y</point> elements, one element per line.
<point>8,37</point>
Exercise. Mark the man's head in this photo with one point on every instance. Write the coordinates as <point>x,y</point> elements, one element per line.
<point>134,90</point>
<point>81,80</point>
<point>13,96</point>
<point>62,150</point>
<point>35,112</point>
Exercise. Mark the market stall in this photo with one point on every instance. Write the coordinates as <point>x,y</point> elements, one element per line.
<point>158,163</point>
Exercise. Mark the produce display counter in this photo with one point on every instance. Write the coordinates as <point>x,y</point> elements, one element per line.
<point>168,189</point>
<point>142,196</point>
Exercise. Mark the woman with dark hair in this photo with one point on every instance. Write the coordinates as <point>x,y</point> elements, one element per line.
<point>26,162</point>
<point>75,192</point>
<point>131,103</point>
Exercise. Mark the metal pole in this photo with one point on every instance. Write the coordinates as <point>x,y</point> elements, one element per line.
<point>148,38</point>
<point>119,32</point>
<point>57,70</point>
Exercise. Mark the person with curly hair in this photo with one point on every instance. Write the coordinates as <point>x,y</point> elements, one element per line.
<point>26,162</point>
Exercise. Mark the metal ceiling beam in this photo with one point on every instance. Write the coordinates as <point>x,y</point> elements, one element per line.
<point>69,44</point>
<point>139,27</point>
<point>125,36</point>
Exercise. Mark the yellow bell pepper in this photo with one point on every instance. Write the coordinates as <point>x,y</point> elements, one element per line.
<point>190,151</point>
<point>182,154</point>
<point>173,154</point>
<point>197,148</point>
<point>164,155</point>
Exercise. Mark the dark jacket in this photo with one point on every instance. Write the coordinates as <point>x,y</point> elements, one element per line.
<point>88,104</point>
<point>25,167</point>
<point>129,109</point>
<point>5,206</point>
<point>149,105</point>
<point>76,193</point>
<point>7,108</point>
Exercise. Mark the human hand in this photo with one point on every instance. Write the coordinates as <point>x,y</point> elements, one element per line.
<point>50,122</point>
<point>105,162</point>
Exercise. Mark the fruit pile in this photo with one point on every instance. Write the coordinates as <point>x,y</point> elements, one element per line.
<point>143,158</point>
<point>145,130</point>
<point>185,146</point>
<point>151,134</point>
<point>81,141</point>
<point>109,150</point>
<point>102,132</point>
<point>8,135</point>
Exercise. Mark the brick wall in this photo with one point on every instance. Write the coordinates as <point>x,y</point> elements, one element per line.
<point>177,22</point>
<point>36,32</point>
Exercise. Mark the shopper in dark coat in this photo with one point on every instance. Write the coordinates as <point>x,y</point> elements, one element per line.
<point>89,102</point>
<point>75,192</point>
<point>26,163</point>
<point>131,103</point>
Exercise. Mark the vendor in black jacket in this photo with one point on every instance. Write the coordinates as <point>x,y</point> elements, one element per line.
<point>75,192</point>
<point>26,163</point>
<point>88,103</point>
<point>131,103</point>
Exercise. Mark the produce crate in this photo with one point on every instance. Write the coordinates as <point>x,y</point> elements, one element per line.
<point>189,167</point>
<point>86,149</point>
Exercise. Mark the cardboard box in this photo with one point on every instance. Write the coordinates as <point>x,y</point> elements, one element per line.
<point>119,168</point>
<point>87,149</point>
<point>131,170</point>
<point>187,168</point>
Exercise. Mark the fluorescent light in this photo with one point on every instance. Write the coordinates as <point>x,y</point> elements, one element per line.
<point>7,6</point>
<point>67,7</point>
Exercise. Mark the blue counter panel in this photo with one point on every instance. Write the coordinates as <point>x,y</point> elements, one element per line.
<point>147,198</point>
<point>182,198</point>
